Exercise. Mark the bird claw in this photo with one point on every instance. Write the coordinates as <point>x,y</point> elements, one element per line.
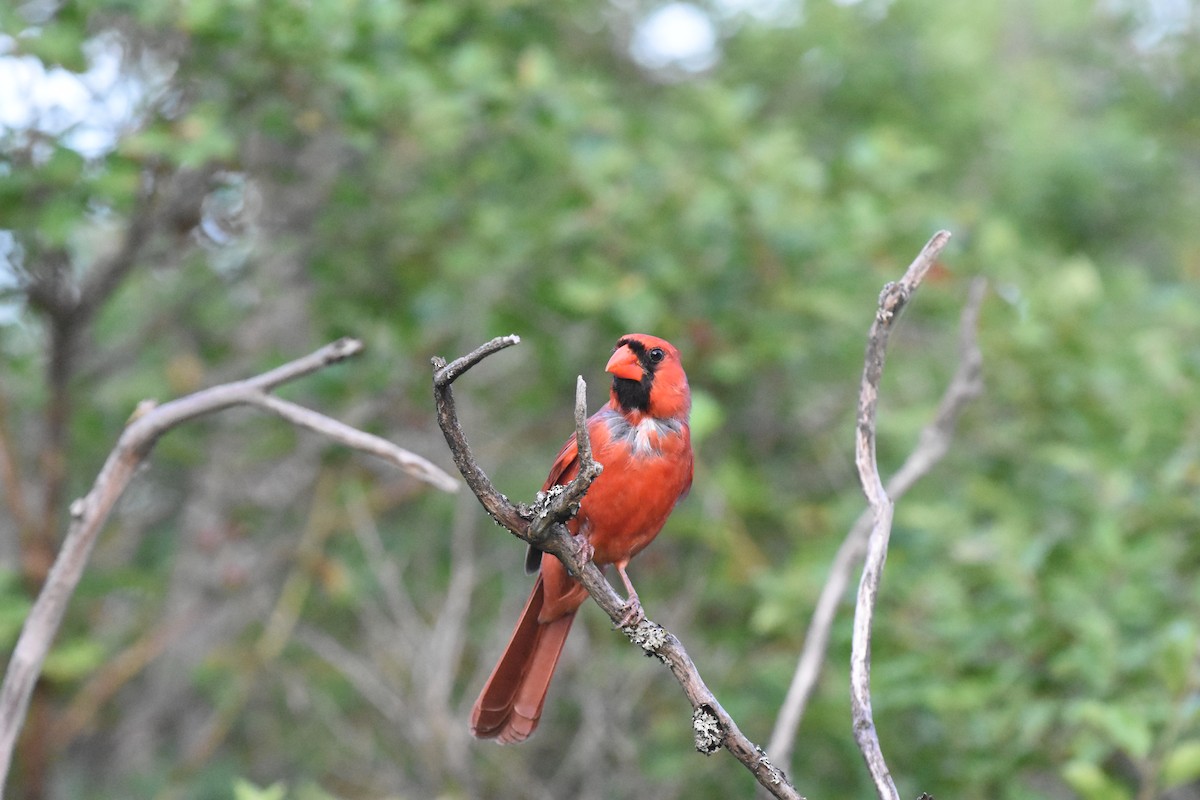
<point>633,612</point>
<point>583,548</point>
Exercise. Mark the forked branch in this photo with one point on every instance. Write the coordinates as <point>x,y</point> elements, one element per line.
<point>891,302</point>
<point>932,445</point>
<point>88,514</point>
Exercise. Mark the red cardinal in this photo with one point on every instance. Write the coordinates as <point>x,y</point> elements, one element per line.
<point>641,437</point>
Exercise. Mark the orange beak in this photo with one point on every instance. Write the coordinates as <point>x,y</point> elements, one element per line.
<point>624,364</point>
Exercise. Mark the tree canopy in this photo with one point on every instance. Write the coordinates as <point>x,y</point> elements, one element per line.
<point>267,615</point>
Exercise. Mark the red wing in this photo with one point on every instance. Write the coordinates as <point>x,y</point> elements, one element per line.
<point>566,465</point>
<point>691,471</point>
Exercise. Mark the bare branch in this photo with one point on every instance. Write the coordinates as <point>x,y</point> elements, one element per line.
<point>89,513</point>
<point>713,726</point>
<point>891,302</point>
<point>582,440</point>
<point>496,504</point>
<point>933,444</point>
<point>560,504</point>
<point>331,353</point>
<point>448,373</point>
<point>406,460</point>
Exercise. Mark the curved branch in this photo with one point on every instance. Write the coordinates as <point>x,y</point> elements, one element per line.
<point>415,465</point>
<point>543,526</point>
<point>496,504</point>
<point>88,514</point>
<point>932,445</point>
<point>891,302</point>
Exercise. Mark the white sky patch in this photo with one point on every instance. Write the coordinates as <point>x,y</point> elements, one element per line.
<point>1163,20</point>
<point>88,110</point>
<point>677,35</point>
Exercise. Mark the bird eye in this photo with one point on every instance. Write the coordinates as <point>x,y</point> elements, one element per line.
<point>657,355</point>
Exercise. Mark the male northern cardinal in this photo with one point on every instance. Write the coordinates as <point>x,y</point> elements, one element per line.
<point>641,438</point>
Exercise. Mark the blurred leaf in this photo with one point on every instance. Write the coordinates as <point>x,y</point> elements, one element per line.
<point>244,790</point>
<point>1122,726</point>
<point>1182,765</point>
<point>1090,782</point>
<point>14,607</point>
<point>58,45</point>
<point>1176,656</point>
<point>74,658</point>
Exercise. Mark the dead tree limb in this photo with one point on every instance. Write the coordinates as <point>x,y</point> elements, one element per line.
<point>88,514</point>
<point>891,302</point>
<point>543,525</point>
<point>933,444</point>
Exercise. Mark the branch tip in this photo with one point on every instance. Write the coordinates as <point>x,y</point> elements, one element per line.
<point>580,401</point>
<point>587,464</point>
<point>445,374</point>
<point>344,348</point>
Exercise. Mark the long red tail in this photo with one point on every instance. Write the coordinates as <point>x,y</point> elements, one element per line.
<point>510,704</point>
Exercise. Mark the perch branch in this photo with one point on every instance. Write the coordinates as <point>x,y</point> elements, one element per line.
<point>88,514</point>
<point>933,444</point>
<point>891,302</point>
<point>559,506</point>
<point>543,526</point>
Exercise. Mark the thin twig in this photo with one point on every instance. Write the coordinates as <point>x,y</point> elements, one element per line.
<point>448,373</point>
<point>891,302</point>
<point>89,513</point>
<point>712,725</point>
<point>932,445</point>
<point>560,506</point>
<point>444,375</point>
<point>358,439</point>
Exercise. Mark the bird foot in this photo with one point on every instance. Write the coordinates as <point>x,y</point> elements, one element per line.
<point>633,612</point>
<point>583,548</point>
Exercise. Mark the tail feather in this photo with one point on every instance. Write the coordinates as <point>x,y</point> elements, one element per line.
<point>510,704</point>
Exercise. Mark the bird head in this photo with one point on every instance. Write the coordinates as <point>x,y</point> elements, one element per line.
<point>648,378</point>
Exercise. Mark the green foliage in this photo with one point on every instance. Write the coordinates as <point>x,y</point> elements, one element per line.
<point>244,790</point>
<point>428,175</point>
<point>14,606</point>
